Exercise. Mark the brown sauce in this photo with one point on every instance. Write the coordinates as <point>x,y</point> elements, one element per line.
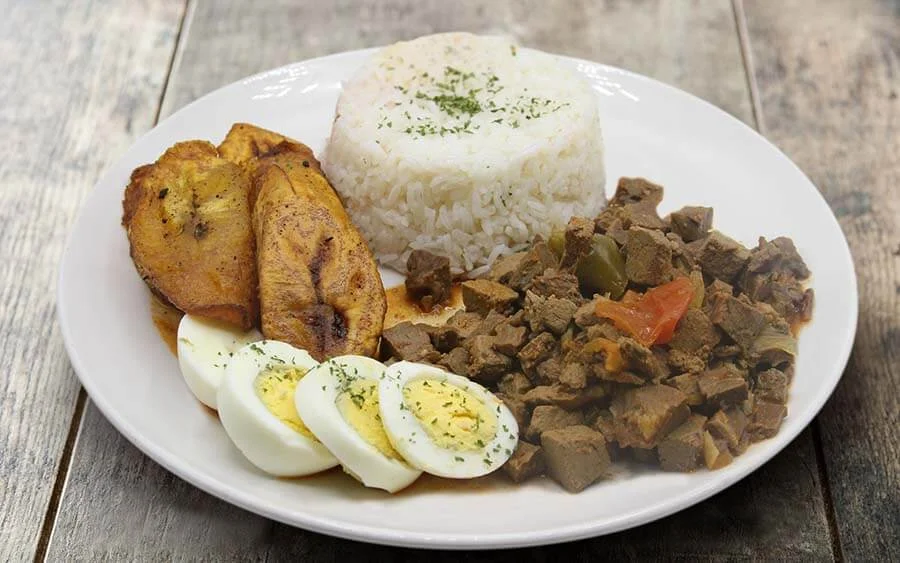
<point>166,319</point>
<point>402,307</point>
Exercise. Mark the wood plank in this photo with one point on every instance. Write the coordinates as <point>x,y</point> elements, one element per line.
<point>80,80</point>
<point>828,82</point>
<point>693,47</point>
<point>120,504</point>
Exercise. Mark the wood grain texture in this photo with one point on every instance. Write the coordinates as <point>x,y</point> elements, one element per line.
<point>119,504</point>
<point>829,81</point>
<point>80,80</point>
<point>691,44</point>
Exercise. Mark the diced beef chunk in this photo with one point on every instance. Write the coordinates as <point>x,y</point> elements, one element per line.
<point>579,232</point>
<point>489,323</point>
<point>648,257</point>
<point>633,205</point>
<point>694,333</point>
<point>505,267</point>
<point>782,292</point>
<point>550,370</point>
<point>723,386</point>
<point>682,448</point>
<point>723,257</point>
<point>536,259</point>
<point>526,462</point>
<point>560,396</point>
<point>689,384</point>
<point>779,255</point>
<point>766,420</point>
<point>645,415</point>
<point>739,319</point>
<point>692,223</point>
<point>623,376</point>
<point>726,351</point>
<point>715,452</point>
<point>550,417</point>
<point>636,190</point>
<point>603,330</point>
<point>481,296</point>
<point>509,339</point>
<point>515,384</point>
<point>772,386</point>
<point>518,408</point>
<point>575,456</point>
<point>605,424</point>
<point>428,278</point>
<point>640,359</point>
<point>464,323</point>
<point>408,341</point>
<point>641,215</point>
<point>612,222</point>
<point>444,338</point>
<point>517,318</point>
<point>643,455</point>
<point>687,362</point>
<point>536,350</point>
<point>729,426</point>
<point>456,361</point>
<point>548,313</point>
<point>558,284</point>
<point>486,365</point>
<point>586,315</point>
<point>715,290</point>
<point>574,375</point>
<point>684,260</point>
<point>773,318</point>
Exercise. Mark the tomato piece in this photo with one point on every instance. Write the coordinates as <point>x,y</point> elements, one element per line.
<point>668,302</point>
<point>652,317</point>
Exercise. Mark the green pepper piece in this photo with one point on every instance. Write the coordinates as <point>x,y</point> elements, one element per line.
<point>603,270</point>
<point>557,242</point>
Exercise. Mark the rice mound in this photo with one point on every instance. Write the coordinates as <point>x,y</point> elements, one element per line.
<point>466,146</point>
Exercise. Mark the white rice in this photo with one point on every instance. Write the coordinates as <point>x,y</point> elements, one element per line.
<point>512,150</point>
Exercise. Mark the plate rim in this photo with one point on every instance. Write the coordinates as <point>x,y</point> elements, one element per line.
<point>453,541</point>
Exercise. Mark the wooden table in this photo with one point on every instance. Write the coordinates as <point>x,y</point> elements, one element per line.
<point>82,79</point>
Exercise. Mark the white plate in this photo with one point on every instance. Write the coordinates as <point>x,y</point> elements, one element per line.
<point>700,154</point>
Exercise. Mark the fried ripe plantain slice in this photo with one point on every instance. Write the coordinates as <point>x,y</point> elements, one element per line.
<point>246,144</point>
<point>188,222</point>
<point>319,285</point>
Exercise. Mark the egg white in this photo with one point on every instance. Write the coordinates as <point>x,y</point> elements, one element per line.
<point>204,351</point>
<point>409,437</point>
<point>266,441</point>
<point>316,398</point>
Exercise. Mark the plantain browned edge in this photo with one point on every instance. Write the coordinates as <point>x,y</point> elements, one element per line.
<point>335,302</point>
<point>230,304</point>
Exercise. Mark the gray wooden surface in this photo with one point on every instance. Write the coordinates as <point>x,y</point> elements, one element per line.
<point>81,80</point>
<point>84,78</point>
<point>830,97</point>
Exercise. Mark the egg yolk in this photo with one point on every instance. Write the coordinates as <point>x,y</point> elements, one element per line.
<point>275,388</point>
<point>358,404</point>
<point>453,418</point>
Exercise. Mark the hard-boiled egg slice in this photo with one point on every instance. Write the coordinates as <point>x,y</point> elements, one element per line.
<point>338,401</point>
<point>443,423</point>
<point>256,407</point>
<point>204,349</point>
